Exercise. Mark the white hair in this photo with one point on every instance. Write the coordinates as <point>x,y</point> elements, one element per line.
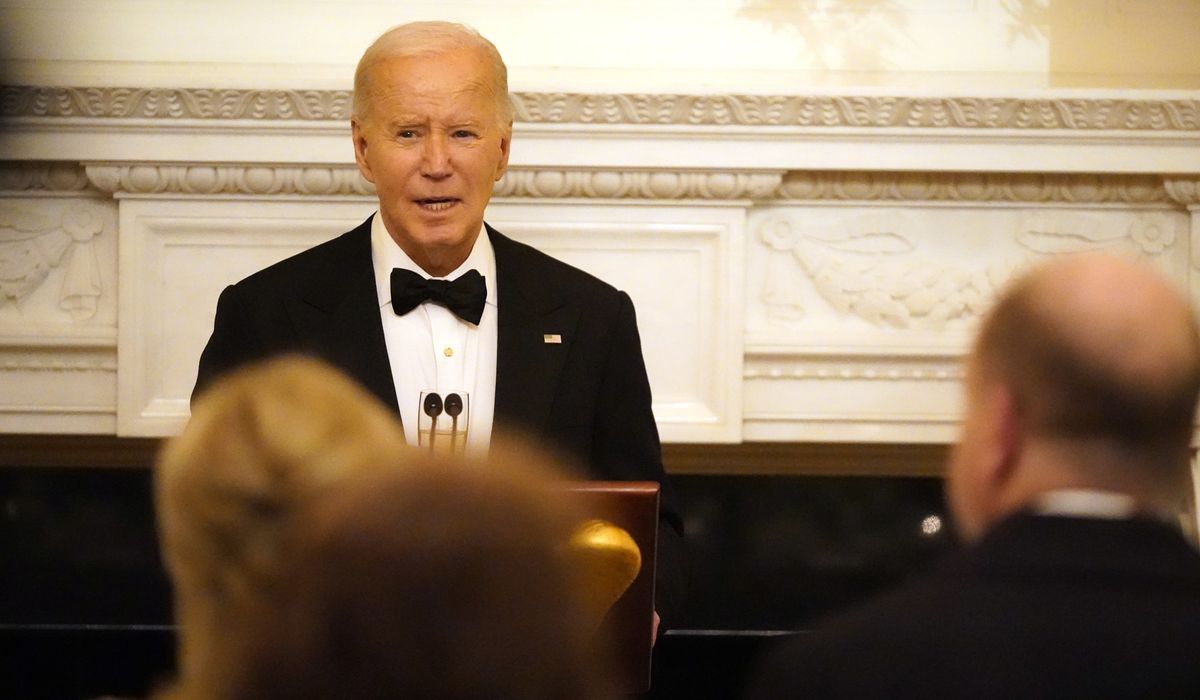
<point>425,38</point>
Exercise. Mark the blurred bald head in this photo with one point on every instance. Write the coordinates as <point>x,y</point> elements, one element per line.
<point>1085,374</point>
<point>1097,347</point>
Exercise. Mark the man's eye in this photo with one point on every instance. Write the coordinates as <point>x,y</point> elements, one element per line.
<point>463,134</point>
<point>406,134</point>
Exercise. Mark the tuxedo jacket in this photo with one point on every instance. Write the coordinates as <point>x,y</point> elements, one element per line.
<point>1041,607</point>
<point>588,397</point>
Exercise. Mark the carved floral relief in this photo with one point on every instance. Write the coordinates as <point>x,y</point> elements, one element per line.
<point>834,111</point>
<point>1146,234</point>
<point>874,266</point>
<point>33,243</point>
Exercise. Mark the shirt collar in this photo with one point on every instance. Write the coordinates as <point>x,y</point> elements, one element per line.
<point>386,255</point>
<point>1093,503</point>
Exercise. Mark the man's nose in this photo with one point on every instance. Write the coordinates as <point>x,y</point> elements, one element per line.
<point>435,157</point>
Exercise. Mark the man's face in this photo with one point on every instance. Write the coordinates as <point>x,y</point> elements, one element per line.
<point>432,144</point>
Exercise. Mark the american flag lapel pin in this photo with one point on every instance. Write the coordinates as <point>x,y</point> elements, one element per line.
<point>552,339</point>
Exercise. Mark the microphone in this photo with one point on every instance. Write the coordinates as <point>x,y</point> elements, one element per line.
<point>454,407</point>
<point>433,409</point>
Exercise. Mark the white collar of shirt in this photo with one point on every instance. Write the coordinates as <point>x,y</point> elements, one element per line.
<point>386,255</point>
<point>1087,503</point>
<point>431,349</point>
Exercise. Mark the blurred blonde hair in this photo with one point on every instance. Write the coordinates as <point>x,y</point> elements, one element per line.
<point>451,579</point>
<point>261,443</point>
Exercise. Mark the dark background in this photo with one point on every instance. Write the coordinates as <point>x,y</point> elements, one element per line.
<point>85,606</point>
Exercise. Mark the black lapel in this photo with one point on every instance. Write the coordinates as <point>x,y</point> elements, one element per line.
<point>339,311</point>
<point>534,334</point>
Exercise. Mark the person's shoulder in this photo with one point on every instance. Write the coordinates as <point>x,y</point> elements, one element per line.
<point>319,261</point>
<point>911,610</point>
<point>788,668</point>
<point>819,661</point>
<point>548,271</point>
<point>909,604</point>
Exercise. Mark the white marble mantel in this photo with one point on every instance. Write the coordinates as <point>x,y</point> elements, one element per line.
<point>806,267</point>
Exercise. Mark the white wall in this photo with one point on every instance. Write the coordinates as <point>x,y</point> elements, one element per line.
<point>757,46</point>
<point>810,201</point>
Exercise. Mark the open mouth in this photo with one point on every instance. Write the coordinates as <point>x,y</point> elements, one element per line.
<point>436,204</point>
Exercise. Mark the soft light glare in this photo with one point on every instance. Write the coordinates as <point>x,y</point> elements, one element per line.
<point>931,526</point>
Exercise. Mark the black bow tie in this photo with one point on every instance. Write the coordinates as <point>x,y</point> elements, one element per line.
<point>464,296</point>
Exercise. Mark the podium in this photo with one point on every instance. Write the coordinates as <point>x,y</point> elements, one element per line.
<point>628,625</point>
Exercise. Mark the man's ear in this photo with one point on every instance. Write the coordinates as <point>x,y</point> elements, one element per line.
<point>1005,437</point>
<point>358,135</point>
<point>505,144</point>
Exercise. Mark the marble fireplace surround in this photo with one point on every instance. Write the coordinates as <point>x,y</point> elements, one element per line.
<point>806,268</point>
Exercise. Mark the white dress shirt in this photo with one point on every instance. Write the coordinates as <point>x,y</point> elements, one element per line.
<point>431,349</point>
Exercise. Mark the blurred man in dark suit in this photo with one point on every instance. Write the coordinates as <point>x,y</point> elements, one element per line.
<point>424,297</point>
<point>1073,460</point>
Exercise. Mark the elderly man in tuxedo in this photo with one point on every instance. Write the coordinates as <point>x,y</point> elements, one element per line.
<point>426,297</point>
<point>1074,458</point>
